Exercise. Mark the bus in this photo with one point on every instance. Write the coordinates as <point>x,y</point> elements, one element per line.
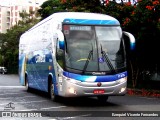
<point>75,54</point>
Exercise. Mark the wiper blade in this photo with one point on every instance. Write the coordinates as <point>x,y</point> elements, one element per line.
<point>104,55</point>
<point>87,61</point>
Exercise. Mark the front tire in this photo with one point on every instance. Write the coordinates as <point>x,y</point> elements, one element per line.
<point>26,84</point>
<point>52,93</point>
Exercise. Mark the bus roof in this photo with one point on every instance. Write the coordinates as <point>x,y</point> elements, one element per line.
<point>81,18</point>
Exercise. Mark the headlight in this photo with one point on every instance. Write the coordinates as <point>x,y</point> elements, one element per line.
<point>72,90</point>
<point>72,80</point>
<point>122,89</point>
<point>122,80</point>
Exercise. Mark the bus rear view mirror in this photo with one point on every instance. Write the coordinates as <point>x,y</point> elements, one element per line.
<point>131,39</point>
<point>60,39</point>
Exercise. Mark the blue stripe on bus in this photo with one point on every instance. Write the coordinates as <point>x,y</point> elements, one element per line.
<point>91,22</point>
<point>132,46</point>
<point>61,44</point>
<point>87,78</point>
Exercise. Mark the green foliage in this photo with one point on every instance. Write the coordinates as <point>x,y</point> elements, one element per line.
<point>52,6</point>
<point>144,23</point>
<point>2,40</point>
<point>10,41</point>
<point>119,11</point>
<point>145,17</point>
<point>49,7</point>
<point>83,5</point>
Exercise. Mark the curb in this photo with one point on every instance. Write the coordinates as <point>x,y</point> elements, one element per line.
<point>143,92</point>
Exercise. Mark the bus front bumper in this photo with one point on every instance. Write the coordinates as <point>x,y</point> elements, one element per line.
<point>79,89</point>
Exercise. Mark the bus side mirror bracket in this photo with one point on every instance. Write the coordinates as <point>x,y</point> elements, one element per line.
<point>131,39</point>
<point>60,39</point>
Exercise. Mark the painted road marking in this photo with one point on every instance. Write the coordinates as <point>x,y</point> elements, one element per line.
<point>68,118</point>
<point>148,97</point>
<point>13,93</point>
<point>25,102</point>
<point>28,110</point>
<point>16,97</point>
<point>12,87</point>
<point>53,107</point>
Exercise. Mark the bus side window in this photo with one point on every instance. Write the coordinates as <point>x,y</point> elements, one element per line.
<point>59,55</point>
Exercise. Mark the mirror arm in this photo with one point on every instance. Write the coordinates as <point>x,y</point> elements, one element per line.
<point>131,38</point>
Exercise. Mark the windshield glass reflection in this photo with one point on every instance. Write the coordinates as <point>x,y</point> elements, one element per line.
<point>81,40</point>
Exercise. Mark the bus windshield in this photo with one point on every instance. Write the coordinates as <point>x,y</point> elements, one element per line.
<point>91,49</point>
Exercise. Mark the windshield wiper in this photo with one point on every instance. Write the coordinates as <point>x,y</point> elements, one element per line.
<point>87,61</point>
<point>104,55</point>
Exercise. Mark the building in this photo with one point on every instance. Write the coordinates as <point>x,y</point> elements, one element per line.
<point>10,9</point>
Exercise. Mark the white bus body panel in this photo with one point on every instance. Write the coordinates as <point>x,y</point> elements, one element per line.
<point>44,36</point>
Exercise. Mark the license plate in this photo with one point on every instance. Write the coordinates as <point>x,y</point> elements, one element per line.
<point>98,91</point>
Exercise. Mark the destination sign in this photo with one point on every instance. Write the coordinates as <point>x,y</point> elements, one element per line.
<point>81,28</point>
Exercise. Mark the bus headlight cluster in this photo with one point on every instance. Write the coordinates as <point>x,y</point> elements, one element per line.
<point>122,89</point>
<point>72,90</point>
<point>122,80</point>
<point>72,80</point>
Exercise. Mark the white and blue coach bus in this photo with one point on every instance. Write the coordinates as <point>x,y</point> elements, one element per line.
<point>74,54</point>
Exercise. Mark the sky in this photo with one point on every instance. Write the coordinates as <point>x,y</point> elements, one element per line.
<point>24,2</point>
<point>19,2</point>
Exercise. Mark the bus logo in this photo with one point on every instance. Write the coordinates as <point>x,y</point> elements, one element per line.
<point>98,73</point>
<point>99,84</point>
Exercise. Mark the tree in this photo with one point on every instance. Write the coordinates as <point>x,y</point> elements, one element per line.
<point>10,41</point>
<point>49,7</point>
<point>52,6</point>
<point>144,23</point>
<point>2,43</point>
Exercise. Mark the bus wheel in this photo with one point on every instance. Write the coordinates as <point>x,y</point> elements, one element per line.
<point>26,84</point>
<point>102,98</point>
<point>52,95</point>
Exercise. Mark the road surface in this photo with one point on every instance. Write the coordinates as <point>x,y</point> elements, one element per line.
<point>15,98</point>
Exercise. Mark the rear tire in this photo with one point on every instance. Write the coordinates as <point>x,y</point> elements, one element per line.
<point>102,99</point>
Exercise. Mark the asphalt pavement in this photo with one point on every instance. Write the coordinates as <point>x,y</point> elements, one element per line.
<point>9,80</point>
<point>13,96</point>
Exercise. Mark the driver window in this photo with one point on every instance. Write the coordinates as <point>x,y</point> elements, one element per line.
<point>74,51</point>
<point>59,55</point>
